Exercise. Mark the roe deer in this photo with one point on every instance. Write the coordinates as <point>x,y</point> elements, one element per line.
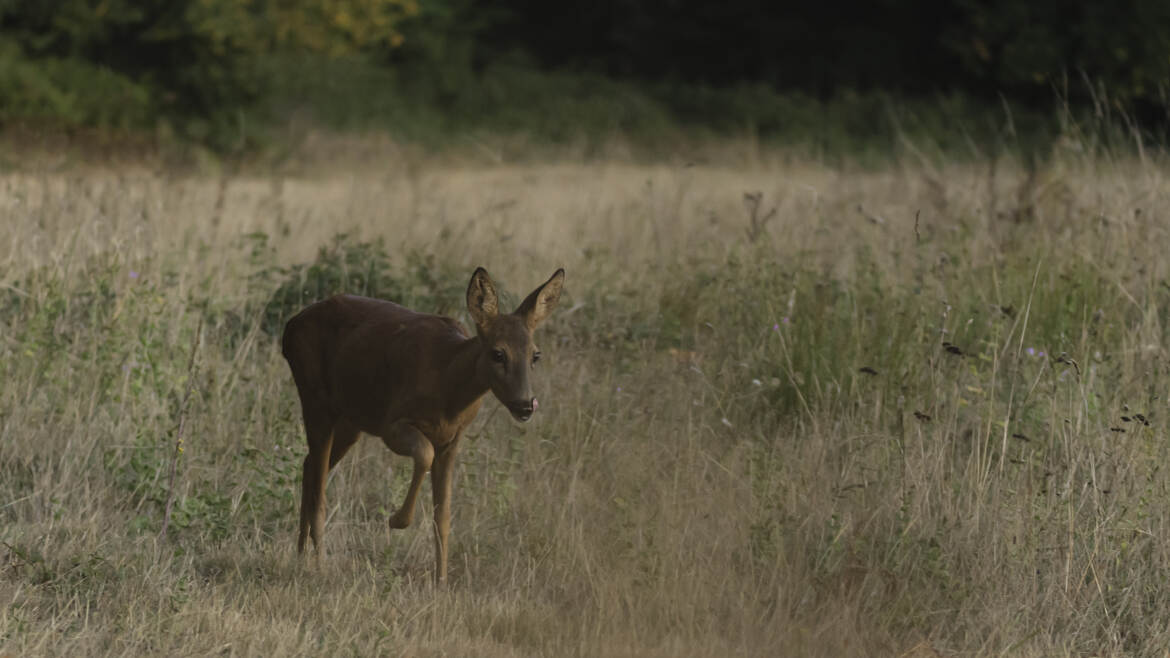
<point>415,380</point>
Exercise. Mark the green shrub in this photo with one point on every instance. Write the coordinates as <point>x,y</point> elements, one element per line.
<point>71,91</point>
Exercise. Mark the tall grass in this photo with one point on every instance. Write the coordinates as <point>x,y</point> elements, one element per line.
<point>922,414</point>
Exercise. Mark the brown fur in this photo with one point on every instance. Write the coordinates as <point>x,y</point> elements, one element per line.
<point>414,379</point>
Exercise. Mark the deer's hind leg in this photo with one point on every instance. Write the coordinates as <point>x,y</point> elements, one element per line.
<point>319,428</point>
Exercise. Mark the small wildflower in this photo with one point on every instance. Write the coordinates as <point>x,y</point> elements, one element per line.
<point>1031,351</point>
<point>727,423</point>
<point>776,327</point>
<point>619,389</point>
<point>756,382</point>
<point>784,320</point>
<point>133,274</point>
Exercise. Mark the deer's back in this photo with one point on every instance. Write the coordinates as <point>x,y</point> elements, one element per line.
<point>368,359</point>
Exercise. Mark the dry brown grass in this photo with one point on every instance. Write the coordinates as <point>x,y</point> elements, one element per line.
<point>695,483</point>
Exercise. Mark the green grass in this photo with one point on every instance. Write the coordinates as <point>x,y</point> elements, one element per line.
<point>512,111</point>
<point>907,419</point>
<point>515,110</point>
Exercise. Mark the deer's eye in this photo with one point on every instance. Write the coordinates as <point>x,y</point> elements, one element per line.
<point>535,357</point>
<point>498,356</point>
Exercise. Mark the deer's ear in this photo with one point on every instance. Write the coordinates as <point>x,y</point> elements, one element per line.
<point>482,301</point>
<point>539,305</point>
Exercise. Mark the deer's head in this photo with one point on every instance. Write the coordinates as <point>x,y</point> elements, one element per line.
<point>508,350</point>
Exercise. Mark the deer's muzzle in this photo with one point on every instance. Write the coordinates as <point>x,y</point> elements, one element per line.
<point>522,409</point>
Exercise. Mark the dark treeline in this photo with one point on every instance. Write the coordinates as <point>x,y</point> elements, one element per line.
<point>132,62</point>
<point>815,47</point>
<point>988,47</point>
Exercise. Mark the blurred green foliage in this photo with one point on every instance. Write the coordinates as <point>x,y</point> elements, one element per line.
<point>222,72</point>
<point>123,63</point>
<point>1012,45</point>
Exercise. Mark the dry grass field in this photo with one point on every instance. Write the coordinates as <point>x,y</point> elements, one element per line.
<point>921,412</point>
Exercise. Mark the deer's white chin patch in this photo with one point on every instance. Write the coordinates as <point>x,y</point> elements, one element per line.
<point>535,404</point>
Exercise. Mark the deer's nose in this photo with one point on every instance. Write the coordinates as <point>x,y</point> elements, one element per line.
<point>522,409</point>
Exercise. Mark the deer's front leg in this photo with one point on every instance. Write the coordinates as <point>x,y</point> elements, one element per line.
<point>441,476</point>
<point>407,441</point>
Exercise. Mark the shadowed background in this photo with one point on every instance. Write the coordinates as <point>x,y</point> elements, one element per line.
<point>835,77</point>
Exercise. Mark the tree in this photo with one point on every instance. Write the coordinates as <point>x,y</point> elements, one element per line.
<point>192,57</point>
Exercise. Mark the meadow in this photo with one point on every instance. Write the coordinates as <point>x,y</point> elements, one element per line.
<point>786,408</point>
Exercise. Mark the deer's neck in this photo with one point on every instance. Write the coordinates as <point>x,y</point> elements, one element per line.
<point>461,377</point>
